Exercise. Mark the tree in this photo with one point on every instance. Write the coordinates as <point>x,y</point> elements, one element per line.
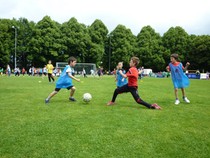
<point>25,33</point>
<point>176,40</point>
<point>199,55</point>
<point>6,43</point>
<point>46,41</point>
<point>98,33</point>
<point>150,49</point>
<point>76,39</point>
<point>122,46</point>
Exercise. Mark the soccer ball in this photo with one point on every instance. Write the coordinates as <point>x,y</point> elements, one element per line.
<point>87,97</point>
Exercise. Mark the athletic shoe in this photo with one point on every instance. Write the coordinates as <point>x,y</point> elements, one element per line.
<point>177,102</point>
<point>110,103</point>
<point>186,100</point>
<point>46,101</point>
<point>72,99</point>
<point>155,106</point>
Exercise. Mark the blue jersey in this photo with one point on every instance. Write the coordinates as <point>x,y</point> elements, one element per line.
<point>180,80</point>
<point>121,81</point>
<point>64,80</point>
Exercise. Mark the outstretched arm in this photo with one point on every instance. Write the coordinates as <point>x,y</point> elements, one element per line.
<point>123,75</point>
<point>74,78</point>
<point>167,68</point>
<point>187,65</point>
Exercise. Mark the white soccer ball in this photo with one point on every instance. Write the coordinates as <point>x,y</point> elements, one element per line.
<point>87,97</point>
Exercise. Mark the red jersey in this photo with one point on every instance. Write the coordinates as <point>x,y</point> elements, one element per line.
<point>132,75</point>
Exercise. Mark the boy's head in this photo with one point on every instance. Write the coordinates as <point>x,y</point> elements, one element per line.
<point>72,61</point>
<point>134,61</point>
<point>120,65</point>
<point>174,58</point>
<point>49,62</point>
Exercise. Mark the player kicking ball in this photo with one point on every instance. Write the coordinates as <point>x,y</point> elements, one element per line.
<point>65,80</point>
<point>132,86</point>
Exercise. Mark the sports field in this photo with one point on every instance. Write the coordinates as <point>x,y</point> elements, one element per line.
<point>30,128</point>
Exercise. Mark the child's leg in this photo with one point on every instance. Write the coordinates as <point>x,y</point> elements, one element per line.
<point>52,94</point>
<point>52,78</point>
<point>118,91</point>
<point>183,92</point>
<point>184,96</point>
<point>176,92</point>
<point>137,98</point>
<point>49,77</point>
<point>72,91</point>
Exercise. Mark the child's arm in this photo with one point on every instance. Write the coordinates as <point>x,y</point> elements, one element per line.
<point>140,71</point>
<point>76,79</point>
<point>123,75</point>
<point>167,68</point>
<point>187,64</point>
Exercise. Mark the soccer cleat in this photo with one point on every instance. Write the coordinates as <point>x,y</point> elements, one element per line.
<point>72,99</point>
<point>46,101</point>
<point>177,102</point>
<point>110,103</point>
<point>155,106</point>
<point>186,100</point>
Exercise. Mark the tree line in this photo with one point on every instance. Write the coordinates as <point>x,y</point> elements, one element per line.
<point>49,40</point>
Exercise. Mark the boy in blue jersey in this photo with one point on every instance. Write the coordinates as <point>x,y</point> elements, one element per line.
<point>180,80</point>
<point>121,81</point>
<point>65,80</point>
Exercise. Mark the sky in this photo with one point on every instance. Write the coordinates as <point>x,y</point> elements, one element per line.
<point>192,15</point>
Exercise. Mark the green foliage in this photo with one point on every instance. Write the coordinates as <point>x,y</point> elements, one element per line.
<point>150,49</point>
<point>6,42</point>
<point>122,45</point>
<point>176,40</point>
<point>200,52</point>
<point>30,128</point>
<point>48,40</point>
<point>98,33</point>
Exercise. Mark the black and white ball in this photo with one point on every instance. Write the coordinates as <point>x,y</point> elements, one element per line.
<point>87,97</point>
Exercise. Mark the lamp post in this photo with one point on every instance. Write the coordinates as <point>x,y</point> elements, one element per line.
<point>110,51</point>
<point>15,44</point>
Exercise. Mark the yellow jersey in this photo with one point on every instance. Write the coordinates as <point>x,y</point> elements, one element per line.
<point>50,68</point>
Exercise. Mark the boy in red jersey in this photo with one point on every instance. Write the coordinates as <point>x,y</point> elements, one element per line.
<point>132,86</point>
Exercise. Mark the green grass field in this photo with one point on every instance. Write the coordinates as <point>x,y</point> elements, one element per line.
<point>30,128</point>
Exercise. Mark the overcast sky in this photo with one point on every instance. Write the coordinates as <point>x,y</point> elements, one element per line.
<point>192,15</point>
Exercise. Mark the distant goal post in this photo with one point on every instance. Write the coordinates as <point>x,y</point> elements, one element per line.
<point>78,67</point>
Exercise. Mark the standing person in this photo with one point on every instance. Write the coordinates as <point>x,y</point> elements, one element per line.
<point>100,71</point>
<point>121,81</point>
<point>50,68</point>
<point>45,70</point>
<point>92,72</point>
<point>207,75</point>
<point>65,80</point>
<point>8,70</point>
<point>132,86</point>
<point>30,71</point>
<point>141,72</point>
<point>180,80</point>
<point>23,71</point>
<point>84,73</point>
<point>33,71</point>
<point>1,71</point>
<point>17,71</point>
<point>40,72</point>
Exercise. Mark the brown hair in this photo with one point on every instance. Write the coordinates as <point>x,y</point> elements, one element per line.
<point>135,60</point>
<point>175,56</point>
<point>71,59</point>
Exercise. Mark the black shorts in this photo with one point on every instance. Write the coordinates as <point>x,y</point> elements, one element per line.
<point>58,89</point>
